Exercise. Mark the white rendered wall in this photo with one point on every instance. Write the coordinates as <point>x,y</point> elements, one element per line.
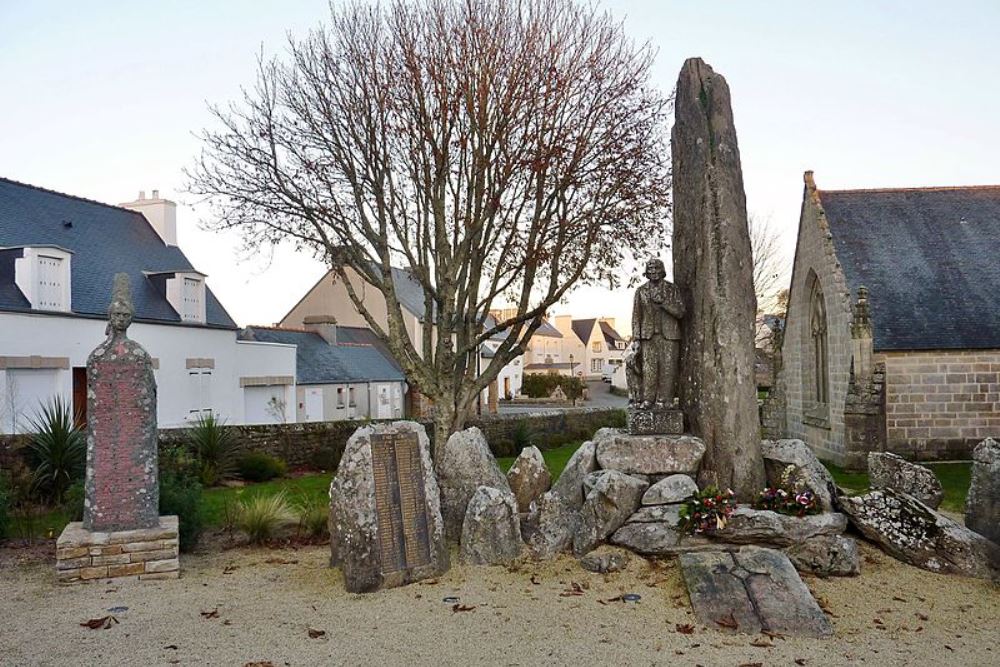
<point>25,335</point>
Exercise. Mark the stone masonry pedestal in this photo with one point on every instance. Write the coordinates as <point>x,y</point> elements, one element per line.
<point>145,553</point>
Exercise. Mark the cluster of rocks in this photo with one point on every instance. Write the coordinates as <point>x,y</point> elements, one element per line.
<point>899,514</point>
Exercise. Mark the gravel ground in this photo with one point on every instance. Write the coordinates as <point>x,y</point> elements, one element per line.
<point>268,600</point>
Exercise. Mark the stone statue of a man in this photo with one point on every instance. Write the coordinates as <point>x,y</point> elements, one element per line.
<point>656,316</point>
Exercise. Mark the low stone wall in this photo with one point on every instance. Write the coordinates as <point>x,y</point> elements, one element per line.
<point>319,445</point>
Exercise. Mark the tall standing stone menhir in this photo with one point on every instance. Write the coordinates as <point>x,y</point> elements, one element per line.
<point>713,267</point>
<point>122,533</point>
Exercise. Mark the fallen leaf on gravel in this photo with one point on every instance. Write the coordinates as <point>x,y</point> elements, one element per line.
<point>752,664</point>
<point>574,589</point>
<point>800,661</point>
<point>922,616</point>
<point>281,561</point>
<point>534,580</point>
<point>463,607</point>
<point>103,623</point>
<point>877,621</point>
<point>617,598</point>
<point>949,648</point>
<point>686,629</point>
<point>761,642</point>
<point>428,582</point>
<point>728,622</point>
<point>316,634</point>
<point>229,569</point>
<point>772,634</point>
<point>262,663</point>
<point>171,647</point>
<point>227,622</point>
<point>214,613</point>
<point>898,599</point>
<point>920,628</point>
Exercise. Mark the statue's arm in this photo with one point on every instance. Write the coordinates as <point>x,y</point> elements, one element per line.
<point>674,304</point>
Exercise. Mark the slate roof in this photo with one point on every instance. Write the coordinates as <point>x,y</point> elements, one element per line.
<point>104,240</point>
<point>318,362</point>
<point>582,329</point>
<point>611,337</point>
<point>929,259</point>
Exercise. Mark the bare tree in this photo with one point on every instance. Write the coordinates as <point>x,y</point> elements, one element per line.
<point>767,271</point>
<point>500,152</point>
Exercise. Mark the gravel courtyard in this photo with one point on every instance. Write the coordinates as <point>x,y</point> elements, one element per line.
<point>267,602</point>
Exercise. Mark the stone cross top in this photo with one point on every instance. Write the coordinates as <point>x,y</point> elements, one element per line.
<point>122,483</point>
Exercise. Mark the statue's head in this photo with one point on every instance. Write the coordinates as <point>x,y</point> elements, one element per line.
<point>655,269</point>
<point>120,311</point>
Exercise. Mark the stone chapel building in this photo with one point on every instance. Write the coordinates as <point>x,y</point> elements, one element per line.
<point>892,339</point>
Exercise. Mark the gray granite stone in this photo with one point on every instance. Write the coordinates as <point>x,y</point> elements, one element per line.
<point>670,489</point>
<point>650,454</point>
<point>750,526</point>
<point>889,471</point>
<point>779,454</point>
<point>570,482</point>
<point>614,498</point>
<point>491,532</point>
<point>465,464</point>
<point>528,477</point>
<point>548,526</point>
<point>982,506</point>
<point>826,556</point>
<point>751,591</point>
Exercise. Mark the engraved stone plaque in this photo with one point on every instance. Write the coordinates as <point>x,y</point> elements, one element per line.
<point>400,502</point>
<point>655,421</point>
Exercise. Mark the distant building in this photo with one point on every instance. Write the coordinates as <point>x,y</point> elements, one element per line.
<point>342,373</point>
<point>595,344</point>
<point>58,258</point>
<point>892,338</point>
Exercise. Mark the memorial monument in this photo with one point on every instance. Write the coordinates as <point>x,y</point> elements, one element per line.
<point>651,370</point>
<point>386,527</point>
<point>122,533</point>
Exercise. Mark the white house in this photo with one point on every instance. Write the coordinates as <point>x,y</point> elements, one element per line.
<point>594,343</point>
<point>343,372</point>
<point>58,258</point>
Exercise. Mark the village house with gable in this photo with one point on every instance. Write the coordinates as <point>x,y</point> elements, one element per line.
<point>328,301</point>
<point>892,339</point>
<point>58,257</point>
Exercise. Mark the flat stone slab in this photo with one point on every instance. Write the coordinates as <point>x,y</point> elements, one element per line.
<point>750,591</point>
<point>661,538</point>
<point>654,421</point>
<point>650,454</point>
<point>764,527</point>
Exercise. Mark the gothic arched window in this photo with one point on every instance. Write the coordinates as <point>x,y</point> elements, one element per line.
<point>818,345</point>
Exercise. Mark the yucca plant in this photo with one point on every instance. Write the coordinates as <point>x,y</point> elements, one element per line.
<point>314,515</point>
<point>261,516</point>
<point>58,449</point>
<point>215,447</point>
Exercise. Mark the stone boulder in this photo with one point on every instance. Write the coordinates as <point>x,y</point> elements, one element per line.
<point>614,498</point>
<point>465,464</point>
<point>826,556</point>
<point>528,477</point>
<point>605,560</point>
<point>570,482</point>
<point>660,538</point>
<point>548,527</point>
<point>491,532</point>
<point>750,526</point>
<point>889,471</point>
<point>669,514</point>
<point>355,542</point>
<point>916,534</point>
<point>982,506</point>
<point>671,489</point>
<point>779,454</point>
<point>650,454</point>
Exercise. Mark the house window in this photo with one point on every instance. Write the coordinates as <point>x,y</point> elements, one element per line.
<point>340,397</point>
<point>596,365</point>
<point>818,347</point>
<point>50,283</point>
<point>351,402</point>
<point>191,298</point>
<point>596,346</point>
<point>199,392</point>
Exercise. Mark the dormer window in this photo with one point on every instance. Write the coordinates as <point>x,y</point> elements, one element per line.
<point>42,273</point>
<point>185,291</point>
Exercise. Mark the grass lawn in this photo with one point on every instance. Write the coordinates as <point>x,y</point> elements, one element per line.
<point>215,500</point>
<point>555,459</point>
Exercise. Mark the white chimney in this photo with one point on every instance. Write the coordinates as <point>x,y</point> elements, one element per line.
<point>160,213</point>
<point>324,325</point>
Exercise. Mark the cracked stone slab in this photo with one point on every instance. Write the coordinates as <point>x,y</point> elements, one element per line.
<point>752,590</point>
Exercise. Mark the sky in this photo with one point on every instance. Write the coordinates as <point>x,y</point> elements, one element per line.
<point>104,99</point>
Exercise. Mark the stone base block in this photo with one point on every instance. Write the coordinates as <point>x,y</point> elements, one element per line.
<point>145,553</point>
<point>655,421</point>
<point>650,454</point>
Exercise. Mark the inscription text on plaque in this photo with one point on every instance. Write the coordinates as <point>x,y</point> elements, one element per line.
<point>400,502</point>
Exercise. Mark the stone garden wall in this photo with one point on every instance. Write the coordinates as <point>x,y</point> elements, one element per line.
<point>318,445</point>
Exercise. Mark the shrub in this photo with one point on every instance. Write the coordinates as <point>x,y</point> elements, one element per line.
<point>215,447</point>
<point>261,467</point>
<point>522,436</point>
<point>707,511</point>
<point>73,503</point>
<point>261,516</point>
<point>58,450</point>
<point>5,505</point>
<point>314,515</point>
<point>182,496</point>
